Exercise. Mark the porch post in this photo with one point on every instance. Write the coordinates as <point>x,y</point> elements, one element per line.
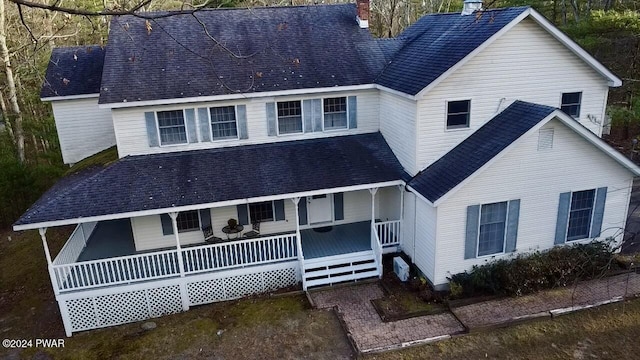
<point>375,243</point>
<point>47,254</point>
<point>183,285</point>
<point>401,190</point>
<point>296,201</point>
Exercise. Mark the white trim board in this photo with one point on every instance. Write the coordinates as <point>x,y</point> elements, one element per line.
<point>263,94</point>
<point>47,224</point>
<point>69,97</point>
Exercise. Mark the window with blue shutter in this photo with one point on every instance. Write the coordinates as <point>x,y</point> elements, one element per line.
<point>335,113</point>
<point>152,130</point>
<point>271,119</point>
<point>580,215</point>
<point>492,228</point>
<point>352,102</point>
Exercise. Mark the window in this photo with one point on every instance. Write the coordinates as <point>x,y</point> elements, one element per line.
<point>571,103</point>
<point>289,117</point>
<point>223,123</point>
<point>580,214</point>
<point>171,127</point>
<point>261,212</point>
<point>335,113</point>
<point>491,235</point>
<point>458,114</point>
<point>188,221</point>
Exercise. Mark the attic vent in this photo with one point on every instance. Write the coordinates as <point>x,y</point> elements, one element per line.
<point>545,139</point>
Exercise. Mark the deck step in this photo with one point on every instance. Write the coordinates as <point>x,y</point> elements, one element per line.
<point>342,278</point>
<point>341,268</point>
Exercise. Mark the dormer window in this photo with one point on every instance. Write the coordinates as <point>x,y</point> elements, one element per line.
<point>171,127</point>
<point>223,123</point>
<point>289,117</point>
<point>458,114</point>
<point>571,103</point>
<point>335,113</point>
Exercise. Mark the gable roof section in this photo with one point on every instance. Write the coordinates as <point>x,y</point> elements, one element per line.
<point>173,180</point>
<point>73,72</point>
<point>437,42</point>
<point>231,51</point>
<point>483,146</point>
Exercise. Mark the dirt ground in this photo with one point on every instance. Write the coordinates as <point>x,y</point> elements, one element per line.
<point>281,327</point>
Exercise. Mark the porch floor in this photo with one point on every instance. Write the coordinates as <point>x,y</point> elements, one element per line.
<point>114,238</point>
<point>341,239</point>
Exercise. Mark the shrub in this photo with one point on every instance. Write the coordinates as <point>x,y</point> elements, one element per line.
<point>528,273</point>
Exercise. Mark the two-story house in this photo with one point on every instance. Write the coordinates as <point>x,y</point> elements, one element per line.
<point>469,137</point>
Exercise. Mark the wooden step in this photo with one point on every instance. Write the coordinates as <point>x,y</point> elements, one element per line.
<point>342,278</point>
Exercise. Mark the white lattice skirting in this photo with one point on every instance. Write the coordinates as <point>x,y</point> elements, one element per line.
<point>117,305</point>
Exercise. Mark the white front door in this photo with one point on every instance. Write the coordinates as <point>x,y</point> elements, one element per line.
<point>319,208</point>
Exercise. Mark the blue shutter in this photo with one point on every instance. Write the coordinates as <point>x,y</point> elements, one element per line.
<point>512,226</point>
<point>167,226</point>
<point>316,113</point>
<point>152,130</point>
<point>302,210</point>
<point>243,214</point>
<point>352,104</point>
<point>243,132</point>
<point>279,209</point>
<point>190,123</point>
<point>338,206</point>
<point>271,119</point>
<point>563,218</point>
<point>306,113</point>
<point>205,126</point>
<point>471,240</point>
<point>598,212</point>
<point>205,218</point>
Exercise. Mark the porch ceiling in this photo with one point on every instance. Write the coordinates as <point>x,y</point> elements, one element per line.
<point>139,184</point>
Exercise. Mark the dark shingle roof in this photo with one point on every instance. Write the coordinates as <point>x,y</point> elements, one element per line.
<point>203,176</point>
<point>479,148</point>
<point>437,42</point>
<point>245,50</point>
<point>73,71</point>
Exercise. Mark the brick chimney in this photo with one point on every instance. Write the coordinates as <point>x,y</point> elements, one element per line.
<point>363,13</point>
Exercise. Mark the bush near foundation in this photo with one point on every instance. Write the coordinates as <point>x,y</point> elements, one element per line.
<point>527,273</point>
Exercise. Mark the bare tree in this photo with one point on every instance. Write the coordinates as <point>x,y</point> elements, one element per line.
<point>11,84</point>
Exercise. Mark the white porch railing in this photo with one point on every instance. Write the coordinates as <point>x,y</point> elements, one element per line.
<point>76,243</point>
<point>118,270</point>
<point>164,264</point>
<point>240,253</point>
<point>388,232</point>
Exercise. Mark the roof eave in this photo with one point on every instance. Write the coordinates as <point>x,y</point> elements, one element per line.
<point>69,97</point>
<point>47,224</point>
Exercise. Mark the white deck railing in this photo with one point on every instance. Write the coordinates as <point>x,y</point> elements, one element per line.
<point>240,253</point>
<point>163,264</point>
<point>388,232</point>
<point>76,243</point>
<point>118,270</point>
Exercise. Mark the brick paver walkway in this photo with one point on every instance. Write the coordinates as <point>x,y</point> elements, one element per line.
<point>591,292</point>
<point>366,328</point>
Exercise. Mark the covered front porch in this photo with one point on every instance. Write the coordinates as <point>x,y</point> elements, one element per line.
<point>104,254</point>
<point>162,233</point>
